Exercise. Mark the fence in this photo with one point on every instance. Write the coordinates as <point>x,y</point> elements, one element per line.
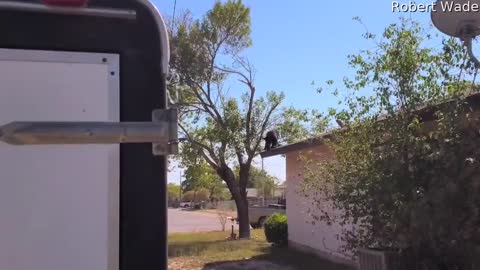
<point>262,202</point>
<point>230,205</point>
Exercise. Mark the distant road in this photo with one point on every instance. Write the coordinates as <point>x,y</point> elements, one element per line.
<point>194,221</point>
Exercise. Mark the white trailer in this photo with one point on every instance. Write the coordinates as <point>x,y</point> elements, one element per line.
<point>85,132</point>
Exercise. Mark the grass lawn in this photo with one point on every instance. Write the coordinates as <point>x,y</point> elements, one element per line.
<point>212,250</point>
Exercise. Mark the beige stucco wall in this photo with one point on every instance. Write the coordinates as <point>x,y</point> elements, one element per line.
<point>319,237</point>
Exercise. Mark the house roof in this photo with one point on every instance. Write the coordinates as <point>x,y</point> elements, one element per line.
<point>426,113</point>
<point>293,147</point>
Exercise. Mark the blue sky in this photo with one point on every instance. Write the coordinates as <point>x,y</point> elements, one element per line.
<point>297,42</point>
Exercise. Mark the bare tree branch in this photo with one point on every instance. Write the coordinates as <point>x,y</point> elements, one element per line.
<point>263,129</point>
<point>191,108</point>
<point>209,160</point>
<point>208,104</point>
<point>231,71</point>
<point>247,80</point>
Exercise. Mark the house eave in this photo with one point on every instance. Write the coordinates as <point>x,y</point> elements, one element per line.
<point>282,150</point>
<point>427,113</point>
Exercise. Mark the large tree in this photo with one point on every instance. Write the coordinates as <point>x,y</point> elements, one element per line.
<point>262,181</point>
<point>265,186</point>
<point>256,175</point>
<point>202,176</point>
<point>222,126</point>
<point>406,168</point>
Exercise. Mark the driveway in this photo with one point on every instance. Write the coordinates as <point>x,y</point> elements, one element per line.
<point>194,221</point>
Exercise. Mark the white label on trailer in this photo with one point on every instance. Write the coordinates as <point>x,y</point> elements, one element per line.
<point>59,205</point>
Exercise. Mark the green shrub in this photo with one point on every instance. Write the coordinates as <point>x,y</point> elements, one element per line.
<point>276,229</point>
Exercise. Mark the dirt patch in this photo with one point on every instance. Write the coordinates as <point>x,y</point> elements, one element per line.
<point>184,263</point>
<point>247,265</point>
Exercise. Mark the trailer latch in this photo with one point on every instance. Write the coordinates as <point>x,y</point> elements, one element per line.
<point>162,132</point>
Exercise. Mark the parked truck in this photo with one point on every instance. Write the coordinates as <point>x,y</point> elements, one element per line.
<point>259,214</point>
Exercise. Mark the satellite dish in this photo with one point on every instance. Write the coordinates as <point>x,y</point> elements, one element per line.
<point>465,23</point>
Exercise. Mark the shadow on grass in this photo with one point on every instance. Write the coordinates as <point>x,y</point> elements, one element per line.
<point>284,256</point>
<point>204,247</point>
<point>194,249</point>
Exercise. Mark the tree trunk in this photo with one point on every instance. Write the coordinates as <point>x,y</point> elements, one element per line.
<point>242,212</point>
<point>244,227</point>
<point>240,198</point>
<point>244,222</point>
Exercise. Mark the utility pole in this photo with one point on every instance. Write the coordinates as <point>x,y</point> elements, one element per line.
<point>180,179</point>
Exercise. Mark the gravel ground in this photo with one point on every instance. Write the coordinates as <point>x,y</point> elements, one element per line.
<point>248,265</point>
